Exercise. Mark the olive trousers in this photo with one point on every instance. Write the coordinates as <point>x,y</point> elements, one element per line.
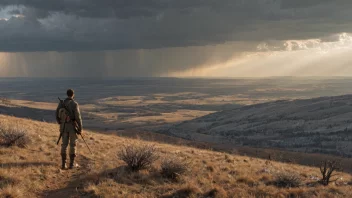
<point>69,136</point>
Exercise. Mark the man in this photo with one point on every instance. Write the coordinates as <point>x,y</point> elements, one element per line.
<point>70,126</point>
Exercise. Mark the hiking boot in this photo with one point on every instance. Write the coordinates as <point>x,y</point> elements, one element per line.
<point>63,158</point>
<point>72,161</point>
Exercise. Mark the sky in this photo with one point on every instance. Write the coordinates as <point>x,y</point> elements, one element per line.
<point>181,38</point>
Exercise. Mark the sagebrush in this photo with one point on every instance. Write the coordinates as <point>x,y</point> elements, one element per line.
<point>138,157</point>
<point>13,136</point>
<point>173,168</point>
<point>287,180</point>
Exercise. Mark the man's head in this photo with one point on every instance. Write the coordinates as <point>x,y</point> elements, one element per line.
<point>70,93</point>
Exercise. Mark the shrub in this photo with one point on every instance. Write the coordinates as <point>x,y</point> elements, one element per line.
<point>287,180</point>
<point>327,168</point>
<point>173,168</point>
<point>13,136</point>
<point>138,157</point>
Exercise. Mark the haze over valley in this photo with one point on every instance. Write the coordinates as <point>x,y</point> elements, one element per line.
<point>270,113</point>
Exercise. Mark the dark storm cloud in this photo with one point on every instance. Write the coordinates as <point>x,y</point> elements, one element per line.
<point>154,62</point>
<point>75,25</point>
<point>94,8</point>
<point>289,4</point>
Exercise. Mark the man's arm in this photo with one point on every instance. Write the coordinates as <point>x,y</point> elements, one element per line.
<point>57,113</point>
<point>78,117</point>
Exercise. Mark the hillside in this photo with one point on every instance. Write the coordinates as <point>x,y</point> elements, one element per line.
<point>34,171</point>
<point>319,125</point>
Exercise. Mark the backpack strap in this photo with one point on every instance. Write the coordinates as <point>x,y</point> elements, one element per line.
<point>65,106</point>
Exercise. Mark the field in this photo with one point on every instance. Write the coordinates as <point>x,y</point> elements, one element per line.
<point>155,103</point>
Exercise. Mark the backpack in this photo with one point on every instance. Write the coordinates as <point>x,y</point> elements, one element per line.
<point>64,114</point>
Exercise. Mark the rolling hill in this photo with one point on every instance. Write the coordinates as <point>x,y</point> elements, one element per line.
<point>33,170</point>
<point>319,125</point>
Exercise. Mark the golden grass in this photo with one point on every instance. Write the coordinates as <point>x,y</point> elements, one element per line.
<point>34,171</point>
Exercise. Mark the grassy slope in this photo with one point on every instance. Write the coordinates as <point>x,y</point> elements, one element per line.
<point>34,171</point>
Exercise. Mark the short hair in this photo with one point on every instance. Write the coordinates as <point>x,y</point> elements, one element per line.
<point>70,92</point>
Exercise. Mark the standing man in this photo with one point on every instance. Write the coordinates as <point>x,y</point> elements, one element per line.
<point>69,117</point>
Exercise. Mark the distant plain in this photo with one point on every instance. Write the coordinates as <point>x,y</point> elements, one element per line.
<point>146,107</point>
<point>152,103</point>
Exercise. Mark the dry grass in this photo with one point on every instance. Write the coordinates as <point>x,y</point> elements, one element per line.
<point>13,136</point>
<point>35,171</point>
<point>173,168</point>
<point>216,192</point>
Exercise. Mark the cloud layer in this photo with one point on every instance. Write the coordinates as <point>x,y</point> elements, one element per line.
<point>90,38</point>
<point>329,56</point>
<point>80,25</point>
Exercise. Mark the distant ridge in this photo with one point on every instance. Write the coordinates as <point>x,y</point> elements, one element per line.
<point>319,125</point>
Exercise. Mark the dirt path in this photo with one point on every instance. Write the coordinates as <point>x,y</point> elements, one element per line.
<point>67,183</point>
